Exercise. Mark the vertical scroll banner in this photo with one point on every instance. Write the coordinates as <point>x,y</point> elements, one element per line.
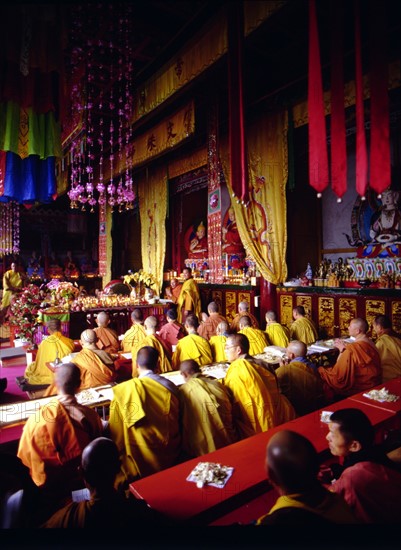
<point>237,143</point>
<point>361,170</point>
<point>380,163</point>
<point>102,243</point>
<point>318,161</point>
<point>338,135</point>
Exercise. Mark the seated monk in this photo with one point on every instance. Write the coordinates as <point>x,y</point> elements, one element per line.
<point>243,309</point>
<point>218,342</point>
<point>53,439</point>
<point>208,326</point>
<point>54,346</point>
<point>192,346</point>
<point>172,331</point>
<point>154,341</point>
<point>257,337</point>
<point>96,365</point>
<point>173,291</point>
<point>134,334</point>
<point>107,337</point>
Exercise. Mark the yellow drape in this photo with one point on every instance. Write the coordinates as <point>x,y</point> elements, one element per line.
<point>262,225</point>
<point>152,191</point>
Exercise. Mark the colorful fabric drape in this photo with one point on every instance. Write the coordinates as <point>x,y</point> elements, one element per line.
<point>31,99</point>
<point>262,225</point>
<point>338,135</point>
<point>152,193</point>
<point>318,161</point>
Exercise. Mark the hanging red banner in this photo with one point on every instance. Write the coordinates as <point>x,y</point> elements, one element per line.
<point>361,170</point>
<point>318,161</point>
<point>338,136</point>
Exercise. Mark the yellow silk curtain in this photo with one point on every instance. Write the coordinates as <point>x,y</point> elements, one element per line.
<point>262,225</point>
<point>152,193</point>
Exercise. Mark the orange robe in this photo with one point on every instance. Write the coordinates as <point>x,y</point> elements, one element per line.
<point>234,326</point>
<point>358,368</point>
<point>208,328</point>
<point>53,439</point>
<point>108,339</point>
<point>152,340</point>
<point>94,372</point>
<point>258,404</point>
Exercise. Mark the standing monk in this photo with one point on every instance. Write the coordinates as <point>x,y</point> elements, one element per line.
<point>12,284</point>
<point>189,300</point>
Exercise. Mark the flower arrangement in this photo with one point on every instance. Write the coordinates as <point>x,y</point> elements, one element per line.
<point>141,277</point>
<point>62,291</point>
<point>24,309</point>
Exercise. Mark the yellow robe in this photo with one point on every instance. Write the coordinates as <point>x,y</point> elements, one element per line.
<point>332,507</point>
<point>164,361</point>
<point>389,348</point>
<point>54,345</point>
<point>302,386</point>
<point>10,279</point>
<point>206,416</point>
<point>234,326</point>
<point>257,402</point>
<point>194,347</point>
<point>217,345</point>
<point>277,335</point>
<point>132,337</point>
<point>189,299</point>
<point>257,339</point>
<point>144,424</point>
<point>304,330</point>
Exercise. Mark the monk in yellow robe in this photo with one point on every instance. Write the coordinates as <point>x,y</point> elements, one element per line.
<point>208,326</point>
<point>144,421</point>
<point>192,346</point>
<point>218,343</point>
<point>298,381</point>
<point>358,367</point>
<point>12,285</point>
<point>54,346</point>
<point>134,334</point>
<point>154,341</point>
<point>53,439</point>
<point>243,309</point>
<point>388,345</point>
<point>302,328</point>
<point>205,411</point>
<point>258,404</point>
<point>277,334</point>
<point>107,337</point>
<point>257,338</point>
<point>189,300</point>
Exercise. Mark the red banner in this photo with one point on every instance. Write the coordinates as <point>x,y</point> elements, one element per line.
<point>361,171</point>
<point>318,161</point>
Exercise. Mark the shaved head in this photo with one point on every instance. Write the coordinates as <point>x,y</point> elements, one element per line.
<point>222,327</point>
<point>89,336</point>
<point>189,367</point>
<point>245,321</point>
<point>151,323</point>
<point>298,348</point>
<point>100,462</point>
<point>147,358</point>
<point>137,315</point>
<point>68,378</point>
<point>292,462</point>
<point>102,318</point>
<point>54,325</point>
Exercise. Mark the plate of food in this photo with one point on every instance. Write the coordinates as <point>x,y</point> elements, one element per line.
<point>210,473</point>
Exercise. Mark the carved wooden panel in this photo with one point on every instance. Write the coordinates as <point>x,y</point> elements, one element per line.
<point>396,315</point>
<point>346,312</point>
<point>326,316</point>
<point>217,296</point>
<point>231,306</point>
<point>286,308</point>
<point>372,309</point>
<point>305,301</point>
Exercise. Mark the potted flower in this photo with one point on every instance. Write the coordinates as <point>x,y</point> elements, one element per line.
<point>24,309</point>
